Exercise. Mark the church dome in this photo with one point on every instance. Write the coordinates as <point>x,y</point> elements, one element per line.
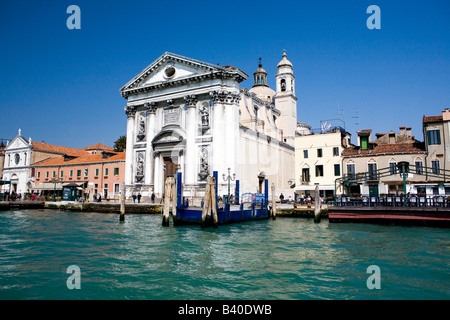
<point>260,87</point>
<point>263,92</point>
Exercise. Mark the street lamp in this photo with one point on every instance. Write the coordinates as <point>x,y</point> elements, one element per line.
<point>229,178</point>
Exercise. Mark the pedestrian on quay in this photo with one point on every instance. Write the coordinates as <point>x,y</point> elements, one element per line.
<point>153,197</point>
<point>134,198</point>
<point>139,197</point>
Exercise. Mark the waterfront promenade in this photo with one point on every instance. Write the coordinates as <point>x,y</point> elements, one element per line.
<point>426,216</point>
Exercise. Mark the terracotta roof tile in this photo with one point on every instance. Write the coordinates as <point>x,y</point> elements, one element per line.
<point>85,159</point>
<point>432,118</point>
<point>99,146</point>
<point>386,148</point>
<point>41,146</point>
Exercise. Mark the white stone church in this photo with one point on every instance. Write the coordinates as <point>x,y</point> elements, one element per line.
<point>193,117</point>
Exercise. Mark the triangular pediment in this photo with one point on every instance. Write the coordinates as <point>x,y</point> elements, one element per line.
<point>173,68</point>
<point>18,142</point>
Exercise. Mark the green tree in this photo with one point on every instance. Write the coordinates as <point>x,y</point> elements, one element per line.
<point>120,144</point>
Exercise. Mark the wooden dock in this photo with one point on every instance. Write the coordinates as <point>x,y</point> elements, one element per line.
<point>429,216</point>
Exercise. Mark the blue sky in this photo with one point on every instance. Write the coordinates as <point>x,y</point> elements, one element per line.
<point>62,85</point>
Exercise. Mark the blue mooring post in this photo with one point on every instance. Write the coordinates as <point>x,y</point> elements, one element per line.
<point>236,196</point>
<point>179,190</point>
<point>266,192</point>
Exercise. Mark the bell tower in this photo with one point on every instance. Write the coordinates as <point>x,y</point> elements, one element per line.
<point>285,99</point>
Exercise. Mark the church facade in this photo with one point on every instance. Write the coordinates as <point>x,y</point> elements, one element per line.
<point>189,116</point>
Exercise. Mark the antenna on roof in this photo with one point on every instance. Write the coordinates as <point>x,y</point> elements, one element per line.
<point>356,117</point>
<point>340,112</point>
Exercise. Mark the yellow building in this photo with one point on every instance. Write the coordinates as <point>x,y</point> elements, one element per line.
<point>318,160</point>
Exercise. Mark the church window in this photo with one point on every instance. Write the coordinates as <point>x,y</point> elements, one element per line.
<point>16,158</point>
<point>283,85</point>
<point>169,72</point>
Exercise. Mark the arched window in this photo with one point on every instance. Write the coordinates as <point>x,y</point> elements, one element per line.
<point>283,84</point>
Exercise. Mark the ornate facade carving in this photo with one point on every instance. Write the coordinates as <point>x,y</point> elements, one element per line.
<point>141,127</point>
<point>130,111</point>
<point>204,114</point>
<point>191,100</point>
<point>204,163</point>
<point>227,97</point>
<point>140,160</point>
<point>151,107</point>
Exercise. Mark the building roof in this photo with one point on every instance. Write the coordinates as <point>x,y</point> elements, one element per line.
<point>284,61</point>
<point>99,146</point>
<point>42,146</point>
<point>432,119</point>
<point>85,159</point>
<point>386,148</point>
<point>366,132</point>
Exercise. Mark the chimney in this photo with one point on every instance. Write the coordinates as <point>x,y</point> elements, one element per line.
<point>408,132</point>
<point>402,131</point>
<point>446,114</point>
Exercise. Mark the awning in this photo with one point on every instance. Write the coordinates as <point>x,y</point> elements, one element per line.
<point>73,184</point>
<point>48,186</point>
<point>313,187</point>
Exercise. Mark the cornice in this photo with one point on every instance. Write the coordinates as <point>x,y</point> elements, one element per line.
<point>267,104</point>
<point>221,74</point>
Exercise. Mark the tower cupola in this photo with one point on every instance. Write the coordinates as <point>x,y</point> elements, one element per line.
<point>260,75</point>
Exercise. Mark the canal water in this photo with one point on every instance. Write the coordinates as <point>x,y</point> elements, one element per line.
<point>288,258</point>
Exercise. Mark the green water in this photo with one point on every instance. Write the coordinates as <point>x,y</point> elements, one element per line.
<point>285,259</point>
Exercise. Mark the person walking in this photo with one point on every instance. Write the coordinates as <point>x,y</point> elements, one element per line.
<point>153,197</point>
<point>139,197</point>
<point>134,198</point>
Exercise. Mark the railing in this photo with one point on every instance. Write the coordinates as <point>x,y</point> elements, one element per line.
<point>393,201</point>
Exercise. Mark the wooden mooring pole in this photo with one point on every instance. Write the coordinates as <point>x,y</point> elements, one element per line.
<point>122,203</point>
<point>169,194</point>
<point>210,203</point>
<point>317,208</point>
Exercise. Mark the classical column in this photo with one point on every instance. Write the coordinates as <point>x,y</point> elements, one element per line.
<point>131,113</point>
<point>190,161</point>
<point>225,132</point>
<point>149,163</point>
<point>232,131</point>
